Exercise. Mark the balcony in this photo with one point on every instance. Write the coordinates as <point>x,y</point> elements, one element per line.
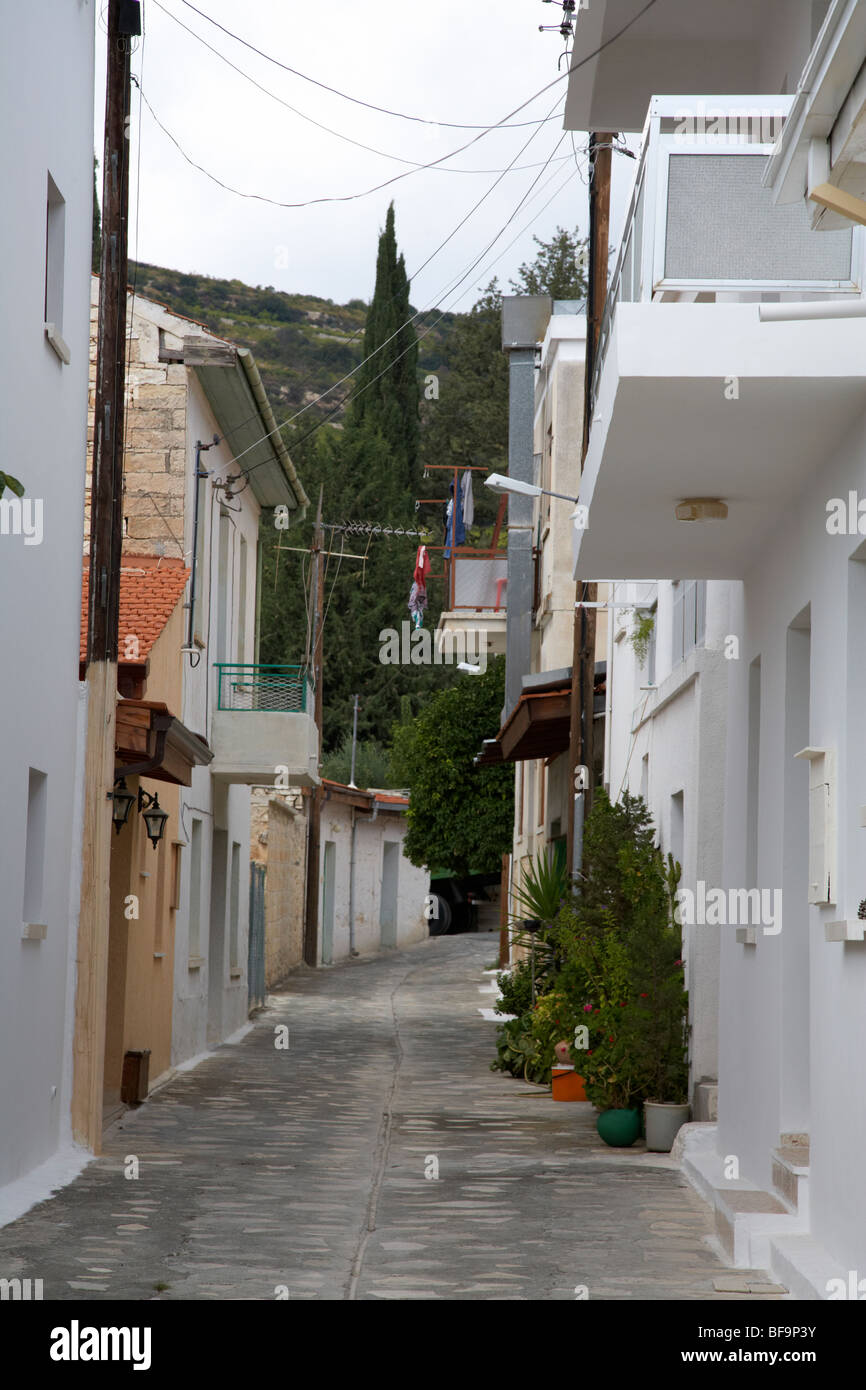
<point>693,395</point>
<point>477,605</point>
<point>824,139</point>
<point>263,723</point>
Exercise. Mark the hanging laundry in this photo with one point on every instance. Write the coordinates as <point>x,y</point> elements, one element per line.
<point>422,567</point>
<point>417,604</point>
<point>468,499</point>
<point>455,532</point>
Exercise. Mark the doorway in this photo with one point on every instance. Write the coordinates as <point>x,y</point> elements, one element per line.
<point>388,901</point>
<point>217,939</point>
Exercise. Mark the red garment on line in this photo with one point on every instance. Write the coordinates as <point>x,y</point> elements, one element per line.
<point>422,567</point>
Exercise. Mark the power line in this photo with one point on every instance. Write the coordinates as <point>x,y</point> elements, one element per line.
<point>350,396</point>
<point>453,286</point>
<point>351,197</point>
<point>335,91</point>
<point>329,130</point>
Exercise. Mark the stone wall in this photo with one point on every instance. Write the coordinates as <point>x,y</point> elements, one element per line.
<point>278,839</point>
<point>155,455</point>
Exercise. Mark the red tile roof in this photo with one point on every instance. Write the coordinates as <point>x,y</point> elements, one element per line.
<point>149,591</point>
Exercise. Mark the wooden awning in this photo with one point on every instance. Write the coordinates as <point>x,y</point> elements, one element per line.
<point>490,755</point>
<point>151,742</point>
<point>538,726</point>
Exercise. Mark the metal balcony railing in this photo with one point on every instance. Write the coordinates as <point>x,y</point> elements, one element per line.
<point>283,689</point>
<point>702,227</point>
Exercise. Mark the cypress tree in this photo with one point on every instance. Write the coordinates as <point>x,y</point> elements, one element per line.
<point>387,384</point>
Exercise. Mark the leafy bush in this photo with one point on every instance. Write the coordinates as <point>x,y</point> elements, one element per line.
<point>612,962</point>
<point>525,1045</point>
<point>515,988</point>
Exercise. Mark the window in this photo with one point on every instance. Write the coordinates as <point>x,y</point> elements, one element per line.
<point>34,852</point>
<point>677,827</point>
<point>55,255</point>
<point>651,647</point>
<point>242,601</point>
<point>235,907</point>
<point>195,891</point>
<point>201,496</point>
<point>224,586</point>
<point>689,617</point>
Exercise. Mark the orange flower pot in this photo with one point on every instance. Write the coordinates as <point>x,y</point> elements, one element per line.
<point>567,1085</point>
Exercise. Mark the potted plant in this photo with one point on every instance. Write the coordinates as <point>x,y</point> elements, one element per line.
<point>611,1091</point>
<point>662,1015</point>
<point>666,1106</point>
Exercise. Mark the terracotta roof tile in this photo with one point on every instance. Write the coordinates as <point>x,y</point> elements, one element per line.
<point>149,593</point>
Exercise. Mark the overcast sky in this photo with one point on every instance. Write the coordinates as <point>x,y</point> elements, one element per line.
<point>446,61</point>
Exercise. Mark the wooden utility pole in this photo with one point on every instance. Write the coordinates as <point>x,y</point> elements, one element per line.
<point>317,585</point>
<point>581,744</point>
<point>106,534</point>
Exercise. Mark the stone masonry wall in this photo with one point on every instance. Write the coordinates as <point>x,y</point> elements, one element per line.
<point>279,840</point>
<point>155,459</point>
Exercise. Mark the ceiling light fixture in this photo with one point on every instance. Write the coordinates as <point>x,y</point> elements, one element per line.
<point>701,509</point>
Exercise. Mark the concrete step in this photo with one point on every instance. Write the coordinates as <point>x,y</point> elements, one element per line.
<point>746,1217</point>
<point>790,1176</point>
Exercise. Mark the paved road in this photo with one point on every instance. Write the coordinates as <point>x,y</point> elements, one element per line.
<point>309,1171</point>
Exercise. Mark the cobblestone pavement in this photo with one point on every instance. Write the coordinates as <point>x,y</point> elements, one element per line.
<point>307,1171</point>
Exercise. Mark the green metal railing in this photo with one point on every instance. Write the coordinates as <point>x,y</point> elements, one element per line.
<point>248,687</point>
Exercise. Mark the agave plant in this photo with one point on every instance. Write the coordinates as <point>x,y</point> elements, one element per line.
<point>544,889</point>
<point>545,885</point>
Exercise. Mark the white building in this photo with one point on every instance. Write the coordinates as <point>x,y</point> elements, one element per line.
<point>370,896</point>
<point>46,172</point>
<point>723,378</point>
<point>203,460</point>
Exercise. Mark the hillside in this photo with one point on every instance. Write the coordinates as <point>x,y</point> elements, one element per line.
<point>302,344</point>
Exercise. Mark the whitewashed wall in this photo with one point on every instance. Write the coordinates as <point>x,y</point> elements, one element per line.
<point>412,884</point>
<point>200,1016</point>
<point>47,123</point>
<point>670,742</point>
<point>793,1029</point>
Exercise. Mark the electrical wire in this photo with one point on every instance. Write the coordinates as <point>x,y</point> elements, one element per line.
<point>339,135</point>
<point>453,286</point>
<point>341,198</point>
<point>449,290</point>
<point>335,91</point>
<point>352,395</point>
<point>352,197</point>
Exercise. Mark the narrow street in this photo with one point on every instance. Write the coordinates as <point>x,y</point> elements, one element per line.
<point>303,1171</point>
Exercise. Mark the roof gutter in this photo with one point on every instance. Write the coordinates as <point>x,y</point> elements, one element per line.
<point>251,371</point>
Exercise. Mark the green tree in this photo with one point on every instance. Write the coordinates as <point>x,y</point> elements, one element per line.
<point>558,268</point>
<point>366,471</point>
<point>460,817</point>
<point>467,423</point>
<point>96,254</point>
<point>386,387</point>
<point>371,764</point>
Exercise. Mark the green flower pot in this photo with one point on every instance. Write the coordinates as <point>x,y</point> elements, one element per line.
<point>619,1128</point>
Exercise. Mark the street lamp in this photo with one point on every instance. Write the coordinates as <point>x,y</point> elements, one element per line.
<point>498,482</point>
<point>154,816</point>
<point>123,802</point>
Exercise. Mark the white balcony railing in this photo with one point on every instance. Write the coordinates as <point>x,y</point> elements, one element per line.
<point>702,227</point>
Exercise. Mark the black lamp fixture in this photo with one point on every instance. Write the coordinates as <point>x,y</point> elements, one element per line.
<point>123,802</point>
<point>154,816</point>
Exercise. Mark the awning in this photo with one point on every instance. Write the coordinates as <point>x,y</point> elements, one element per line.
<point>538,726</point>
<point>151,742</point>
